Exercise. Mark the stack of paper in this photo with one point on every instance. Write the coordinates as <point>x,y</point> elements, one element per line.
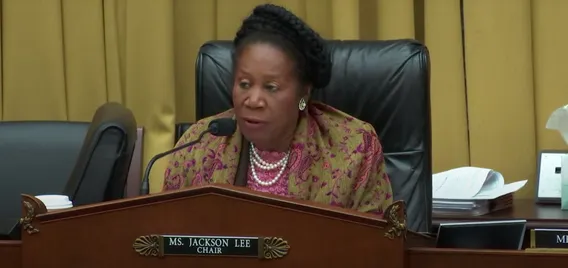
<point>471,191</point>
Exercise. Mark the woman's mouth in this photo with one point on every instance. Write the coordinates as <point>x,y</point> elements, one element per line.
<point>253,123</point>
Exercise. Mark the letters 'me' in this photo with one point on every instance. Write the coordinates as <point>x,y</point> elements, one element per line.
<point>175,241</point>
<point>562,239</point>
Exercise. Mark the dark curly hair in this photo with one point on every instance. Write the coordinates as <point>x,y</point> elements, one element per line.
<point>276,25</point>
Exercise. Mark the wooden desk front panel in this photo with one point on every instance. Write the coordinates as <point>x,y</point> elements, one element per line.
<point>453,258</point>
<point>10,254</point>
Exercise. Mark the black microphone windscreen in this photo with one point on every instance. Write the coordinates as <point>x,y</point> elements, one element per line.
<point>223,127</point>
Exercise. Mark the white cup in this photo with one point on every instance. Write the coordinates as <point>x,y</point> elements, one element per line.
<point>55,202</point>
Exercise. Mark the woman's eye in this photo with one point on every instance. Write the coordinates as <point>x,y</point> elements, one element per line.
<point>271,87</point>
<point>244,85</point>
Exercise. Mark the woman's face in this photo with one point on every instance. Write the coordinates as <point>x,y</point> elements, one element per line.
<point>266,96</point>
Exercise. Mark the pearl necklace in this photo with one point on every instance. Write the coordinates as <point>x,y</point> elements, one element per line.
<point>257,161</point>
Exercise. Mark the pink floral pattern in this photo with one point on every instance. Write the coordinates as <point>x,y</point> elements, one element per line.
<point>335,159</point>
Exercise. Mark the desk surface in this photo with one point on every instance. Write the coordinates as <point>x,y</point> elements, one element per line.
<point>537,215</point>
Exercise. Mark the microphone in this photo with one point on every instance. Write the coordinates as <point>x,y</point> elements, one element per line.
<point>221,127</point>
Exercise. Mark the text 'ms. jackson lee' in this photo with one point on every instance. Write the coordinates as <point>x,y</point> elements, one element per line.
<point>211,245</point>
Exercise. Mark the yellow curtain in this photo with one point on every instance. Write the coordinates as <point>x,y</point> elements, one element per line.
<point>497,68</point>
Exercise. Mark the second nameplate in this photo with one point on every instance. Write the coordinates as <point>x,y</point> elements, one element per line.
<point>549,238</point>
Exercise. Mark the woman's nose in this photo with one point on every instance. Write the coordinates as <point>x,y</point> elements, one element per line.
<point>255,98</point>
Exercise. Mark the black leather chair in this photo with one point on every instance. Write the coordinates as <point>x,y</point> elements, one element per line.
<point>385,83</point>
<point>101,170</point>
<point>87,161</point>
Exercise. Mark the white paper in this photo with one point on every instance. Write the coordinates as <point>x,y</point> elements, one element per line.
<point>471,183</point>
<point>463,182</point>
<point>460,205</point>
<point>506,189</point>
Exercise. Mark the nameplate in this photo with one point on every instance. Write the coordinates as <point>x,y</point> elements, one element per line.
<point>186,245</point>
<point>549,238</point>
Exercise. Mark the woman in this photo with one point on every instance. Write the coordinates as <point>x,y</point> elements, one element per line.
<point>286,144</point>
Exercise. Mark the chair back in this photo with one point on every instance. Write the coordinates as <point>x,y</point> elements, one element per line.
<point>101,170</point>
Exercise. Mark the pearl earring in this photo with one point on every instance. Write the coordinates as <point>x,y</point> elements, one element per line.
<point>302,104</point>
